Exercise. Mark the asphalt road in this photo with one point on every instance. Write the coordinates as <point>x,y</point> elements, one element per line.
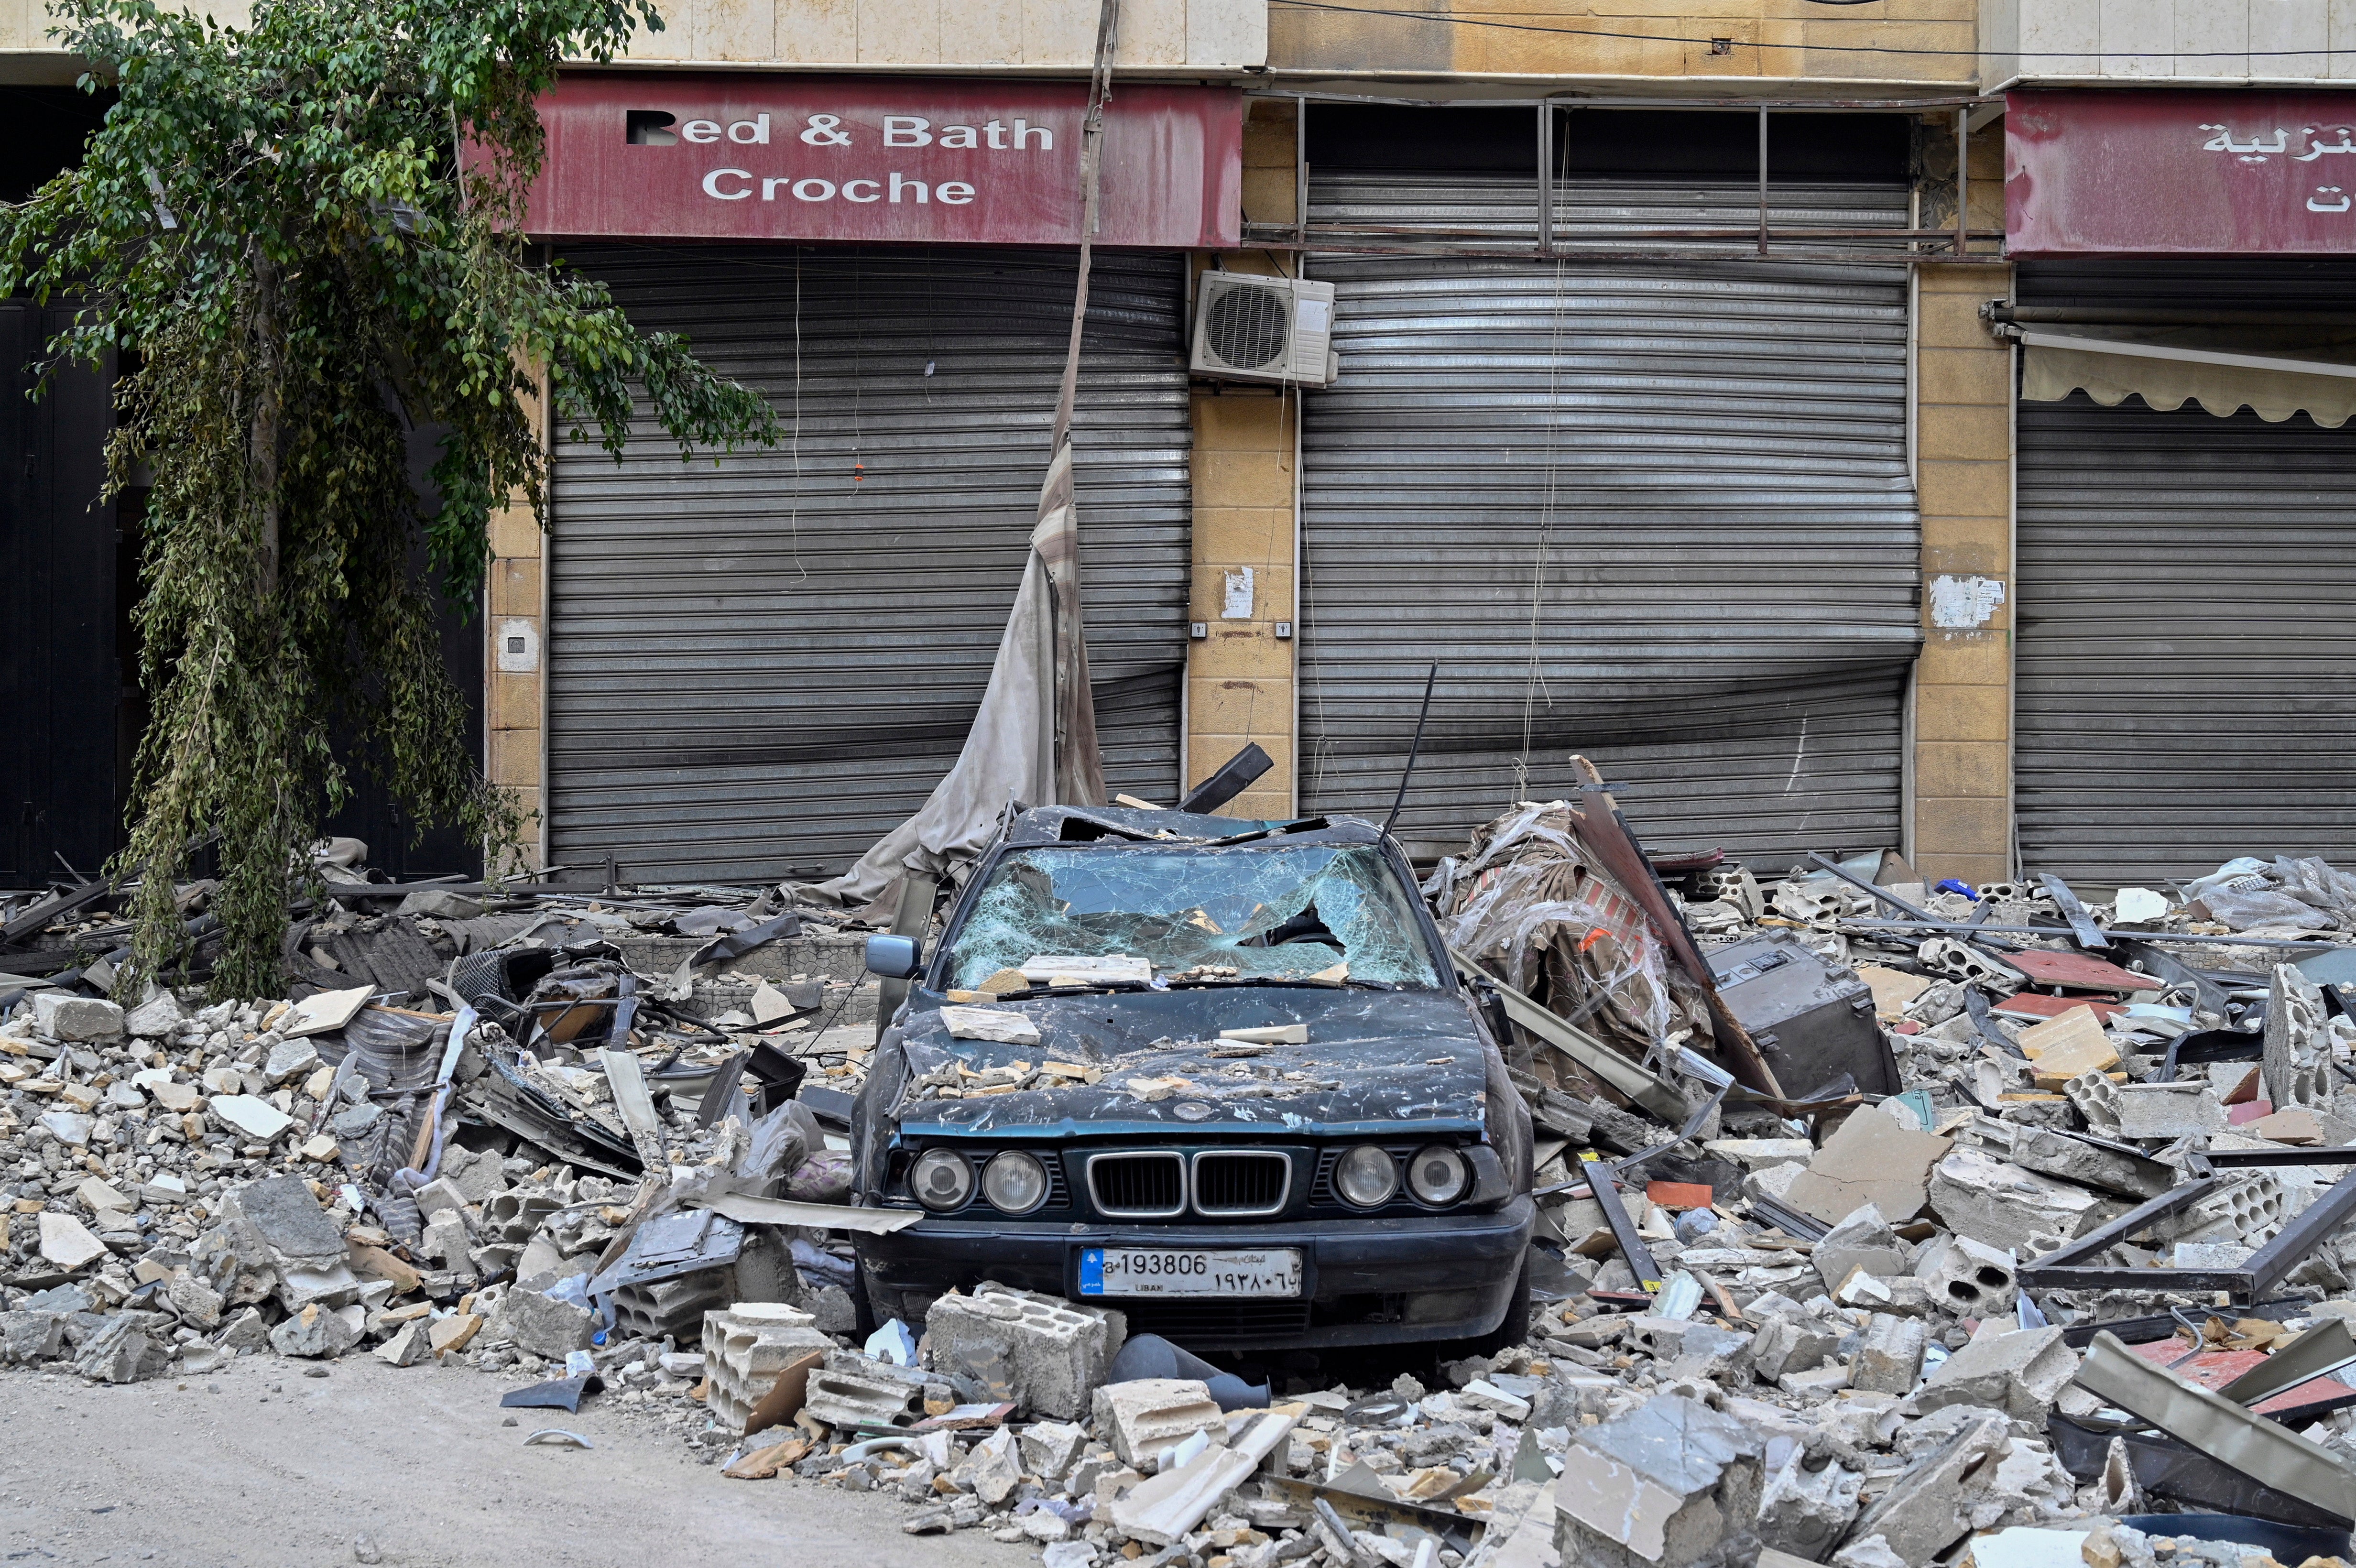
<point>219,1470</point>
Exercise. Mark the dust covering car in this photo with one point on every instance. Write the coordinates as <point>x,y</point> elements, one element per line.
<point>1216,1072</point>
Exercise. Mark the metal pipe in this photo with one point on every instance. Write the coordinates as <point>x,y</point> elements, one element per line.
<point>2131,315</point>
<point>2064,930</point>
<point>1963,179</point>
<point>1299,171</point>
<point>1762,180</point>
<point>1546,179</point>
<point>1717,105</point>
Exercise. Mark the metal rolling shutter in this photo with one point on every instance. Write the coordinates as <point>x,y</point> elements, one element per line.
<point>1730,570</point>
<point>2185,673</point>
<point>758,667</point>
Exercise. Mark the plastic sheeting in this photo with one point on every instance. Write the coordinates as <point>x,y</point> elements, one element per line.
<point>2287,896</point>
<point>1525,902</point>
<point>1267,913</point>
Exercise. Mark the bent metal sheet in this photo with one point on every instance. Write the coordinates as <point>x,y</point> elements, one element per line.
<point>849,158</point>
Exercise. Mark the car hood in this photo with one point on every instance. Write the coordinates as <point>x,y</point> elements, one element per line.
<point>1375,1061</point>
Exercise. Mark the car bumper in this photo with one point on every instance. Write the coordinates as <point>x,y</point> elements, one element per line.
<point>1364,1281</point>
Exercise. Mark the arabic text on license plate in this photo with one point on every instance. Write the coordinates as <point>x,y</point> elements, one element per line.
<point>1183,1271</point>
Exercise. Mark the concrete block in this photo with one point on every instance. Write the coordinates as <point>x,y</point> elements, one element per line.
<point>61,1015</point>
<point>2094,1096</point>
<point>1862,1239</point>
<point>130,1348</point>
<point>2297,1061</point>
<point>440,1196</point>
<point>2003,1206</point>
<point>1672,1484</point>
<point>854,1391</point>
<point>1967,1277</point>
<point>2020,1371</point>
<point>1889,1357</point>
<point>1145,1415</point>
<point>1055,1351</point>
<point>1929,1508</point>
<point>745,1347</point>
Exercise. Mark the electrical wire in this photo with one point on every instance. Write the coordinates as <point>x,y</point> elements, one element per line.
<point>1817,49</point>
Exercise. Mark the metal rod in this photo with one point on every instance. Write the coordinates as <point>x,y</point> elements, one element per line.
<point>1546,179</point>
<point>1300,169</point>
<point>1605,1190</point>
<point>2064,930</point>
<point>1963,179</point>
<point>2133,315</point>
<point>1968,932</point>
<point>1408,772</point>
<point>1717,105</point>
<point>1762,179</point>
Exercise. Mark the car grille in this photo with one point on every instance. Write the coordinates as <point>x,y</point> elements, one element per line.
<point>1241,1183</point>
<point>1138,1186</point>
<point>1218,1323</point>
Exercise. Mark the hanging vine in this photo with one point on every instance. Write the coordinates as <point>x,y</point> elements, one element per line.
<point>276,238</point>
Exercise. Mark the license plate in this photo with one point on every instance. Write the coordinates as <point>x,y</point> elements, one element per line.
<point>1184,1271</point>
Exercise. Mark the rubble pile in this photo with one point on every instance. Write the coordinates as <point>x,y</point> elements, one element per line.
<point>1878,1224</point>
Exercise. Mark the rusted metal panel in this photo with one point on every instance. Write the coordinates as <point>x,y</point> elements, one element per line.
<point>2118,173</point>
<point>894,160</point>
<point>2045,966</point>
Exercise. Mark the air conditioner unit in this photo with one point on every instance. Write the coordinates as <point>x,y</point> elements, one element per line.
<point>1249,328</point>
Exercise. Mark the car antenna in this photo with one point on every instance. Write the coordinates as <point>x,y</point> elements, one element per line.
<point>1408,771</point>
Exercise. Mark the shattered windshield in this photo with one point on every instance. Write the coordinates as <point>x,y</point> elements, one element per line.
<point>1292,912</point>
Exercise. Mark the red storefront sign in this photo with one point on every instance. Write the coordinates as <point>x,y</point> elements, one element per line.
<point>854,159</point>
<point>2153,172</point>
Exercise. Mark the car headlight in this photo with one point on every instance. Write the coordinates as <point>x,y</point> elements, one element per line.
<point>1015,1183</point>
<point>943,1180</point>
<point>1367,1177</point>
<point>1438,1176</point>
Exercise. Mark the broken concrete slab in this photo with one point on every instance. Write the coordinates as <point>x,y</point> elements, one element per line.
<point>2006,1207</point>
<point>1672,1484</point>
<point>1161,1511</point>
<point>2020,1371</point>
<point>542,1324</point>
<point>1889,1359</point>
<point>62,1015</point>
<point>1861,1240</point>
<point>249,1117</point>
<point>1928,1507</point>
<point>2057,1154</point>
<point>66,1243</point>
<point>1145,1415</point>
<point>2168,1110</point>
<point>1871,1159</point>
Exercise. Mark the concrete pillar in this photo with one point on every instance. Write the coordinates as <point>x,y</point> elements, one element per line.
<point>515,669</point>
<point>1240,678</point>
<point>1962,822</point>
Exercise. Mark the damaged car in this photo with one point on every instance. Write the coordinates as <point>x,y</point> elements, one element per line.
<point>1219,1074</point>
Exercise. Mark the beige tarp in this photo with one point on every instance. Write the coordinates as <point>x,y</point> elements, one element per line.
<point>2276,371</point>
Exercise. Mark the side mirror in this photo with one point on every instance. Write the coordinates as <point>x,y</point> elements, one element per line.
<point>896,958</point>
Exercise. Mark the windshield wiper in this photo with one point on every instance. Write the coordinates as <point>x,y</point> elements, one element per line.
<point>1302,981</point>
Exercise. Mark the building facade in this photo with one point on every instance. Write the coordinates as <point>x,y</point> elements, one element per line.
<point>1695,411</point>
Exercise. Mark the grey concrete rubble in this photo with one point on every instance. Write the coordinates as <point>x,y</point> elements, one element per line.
<point>1844,1367</point>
